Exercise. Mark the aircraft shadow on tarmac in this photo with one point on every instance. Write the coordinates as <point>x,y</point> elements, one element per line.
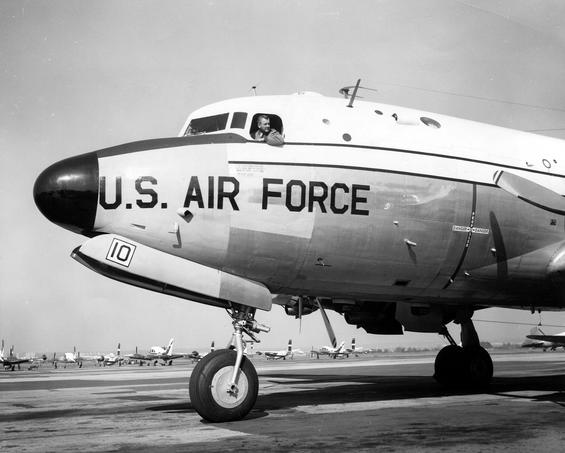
<point>318,390</point>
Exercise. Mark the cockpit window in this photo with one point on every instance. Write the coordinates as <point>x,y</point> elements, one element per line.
<point>238,120</point>
<point>207,124</point>
<point>276,123</point>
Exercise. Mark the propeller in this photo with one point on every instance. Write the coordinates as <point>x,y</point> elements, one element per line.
<point>328,324</point>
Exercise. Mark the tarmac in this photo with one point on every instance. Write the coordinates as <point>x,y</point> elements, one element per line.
<point>385,402</point>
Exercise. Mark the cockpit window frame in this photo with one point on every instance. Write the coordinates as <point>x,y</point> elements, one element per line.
<point>207,124</point>
<point>238,120</point>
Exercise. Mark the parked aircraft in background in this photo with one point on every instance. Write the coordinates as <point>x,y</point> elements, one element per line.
<point>281,354</point>
<point>196,356</point>
<point>538,339</point>
<point>78,359</point>
<point>397,219</point>
<point>136,357</point>
<point>67,358</point>
<point>156,353</point>
<point>11,361</point>
<point>112,359</point>
<point>356,350</point>
<point>330,351</point>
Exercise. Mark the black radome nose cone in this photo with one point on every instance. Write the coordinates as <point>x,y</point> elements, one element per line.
<point>67,193</point>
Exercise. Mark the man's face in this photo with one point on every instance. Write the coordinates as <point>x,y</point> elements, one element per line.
<point>264,125</point>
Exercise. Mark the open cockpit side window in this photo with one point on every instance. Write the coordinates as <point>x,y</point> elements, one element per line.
<point>275,123</point>
<point>207,124</point>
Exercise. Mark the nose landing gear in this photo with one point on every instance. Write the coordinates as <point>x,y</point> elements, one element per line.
<point>469,365</point>
<point>224,384</point>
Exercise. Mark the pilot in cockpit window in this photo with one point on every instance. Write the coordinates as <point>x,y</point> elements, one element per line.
<point>264,132</point>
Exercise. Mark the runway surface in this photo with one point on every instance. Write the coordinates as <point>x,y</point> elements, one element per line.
<point>377,403</point>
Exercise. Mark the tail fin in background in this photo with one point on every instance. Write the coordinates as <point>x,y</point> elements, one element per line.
<point>169,349</point>
<point>119,351</point>
<point>212,348</point>
<point>353,344</point>
<point>289,349</point>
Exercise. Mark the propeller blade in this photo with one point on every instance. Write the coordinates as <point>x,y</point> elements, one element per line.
<point>300,306</point>
<point>328,324</point>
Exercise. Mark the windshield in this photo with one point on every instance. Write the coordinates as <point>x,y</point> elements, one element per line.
<point>207,124</point>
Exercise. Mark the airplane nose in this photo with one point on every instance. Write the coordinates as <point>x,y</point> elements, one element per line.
<point>67,193</point>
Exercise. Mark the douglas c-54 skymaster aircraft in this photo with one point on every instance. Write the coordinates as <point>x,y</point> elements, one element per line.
<point>393,217</point>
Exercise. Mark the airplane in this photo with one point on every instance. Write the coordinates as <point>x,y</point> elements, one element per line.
<point>10,362</point>
<point>156,353</point>
<point>136,357</point>
<point>67,358</point>
<point>397,219</point>
<point>356,350</point>
<point>541,340</point>
<point>332,352</point>
<point>282,354</point>
<point>196,356</point>
<point>112,359</point>
<point>79,359</point>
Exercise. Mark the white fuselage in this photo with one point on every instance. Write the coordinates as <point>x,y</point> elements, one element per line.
<point>396,210</point>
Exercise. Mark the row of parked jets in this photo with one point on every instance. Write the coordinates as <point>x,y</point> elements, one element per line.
<point>165,356</point>
<point>155,355</point>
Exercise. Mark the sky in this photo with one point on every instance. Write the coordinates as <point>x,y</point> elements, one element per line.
<point>78,76</point>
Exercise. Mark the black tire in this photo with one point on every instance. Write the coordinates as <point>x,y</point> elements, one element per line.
<point>449,366</point>
<point>209,380</point>
<point>478,366</point>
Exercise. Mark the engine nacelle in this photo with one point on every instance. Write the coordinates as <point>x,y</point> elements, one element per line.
<point>375,318</point>
<point>422,318</point>
<point>296,303</point>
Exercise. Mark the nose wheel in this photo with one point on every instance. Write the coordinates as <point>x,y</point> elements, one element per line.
<point>223,386</point>
<point>211,391</point>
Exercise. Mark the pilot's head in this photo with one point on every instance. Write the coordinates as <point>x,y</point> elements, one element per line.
<point>264,124</point>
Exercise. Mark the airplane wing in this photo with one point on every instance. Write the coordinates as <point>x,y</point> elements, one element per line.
<point>15,361</point>
<point>560,339</point>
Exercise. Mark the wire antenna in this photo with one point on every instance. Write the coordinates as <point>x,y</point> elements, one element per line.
<point>346,92</point>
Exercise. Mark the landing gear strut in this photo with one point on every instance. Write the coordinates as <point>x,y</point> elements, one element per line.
<point>469,365</point>
<point>224,384</point>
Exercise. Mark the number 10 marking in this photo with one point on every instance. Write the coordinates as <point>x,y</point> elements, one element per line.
<point>120,252</point>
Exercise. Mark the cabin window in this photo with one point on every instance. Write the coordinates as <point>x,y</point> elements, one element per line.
<point>238,120</point>
<point>275,120</point>
<point>212,123</point>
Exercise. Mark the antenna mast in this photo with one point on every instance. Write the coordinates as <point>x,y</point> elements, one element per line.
<point>352,98</point>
